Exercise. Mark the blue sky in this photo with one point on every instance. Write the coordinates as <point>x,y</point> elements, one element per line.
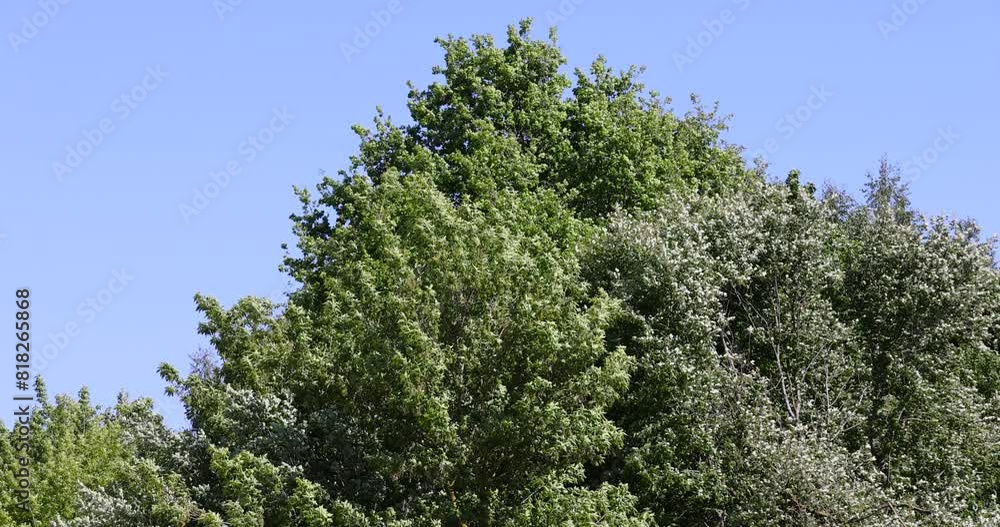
<point>153,98</point>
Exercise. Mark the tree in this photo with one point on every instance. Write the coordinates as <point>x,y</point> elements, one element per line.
<point>438,362</point>
<point>548,300</point>
<point>500,120</point>
<point>922,294</point>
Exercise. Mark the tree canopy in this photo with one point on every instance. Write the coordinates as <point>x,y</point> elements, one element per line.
<point>550,300</point>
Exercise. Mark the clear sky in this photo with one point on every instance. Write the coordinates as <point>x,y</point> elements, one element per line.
<point>140,102</point>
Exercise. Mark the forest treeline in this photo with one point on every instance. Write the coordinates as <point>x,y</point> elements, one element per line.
<point>550,300</point>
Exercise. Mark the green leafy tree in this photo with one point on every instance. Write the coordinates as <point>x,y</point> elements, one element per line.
<point>548,300</point>
<point>442,362</point>
<point>501,119</point>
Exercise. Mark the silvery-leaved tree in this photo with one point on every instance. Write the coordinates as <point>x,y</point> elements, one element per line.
<point>921,294</point>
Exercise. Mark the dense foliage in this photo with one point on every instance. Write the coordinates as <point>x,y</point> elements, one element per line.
<point>549,300</point>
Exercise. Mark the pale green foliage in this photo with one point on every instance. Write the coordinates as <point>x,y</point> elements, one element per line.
<point>94,467</point>
<point>922,294</point>
<point>758,392</point>
<point>732,383</point>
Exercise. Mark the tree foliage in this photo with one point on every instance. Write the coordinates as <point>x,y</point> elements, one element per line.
<point>550,300</point>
